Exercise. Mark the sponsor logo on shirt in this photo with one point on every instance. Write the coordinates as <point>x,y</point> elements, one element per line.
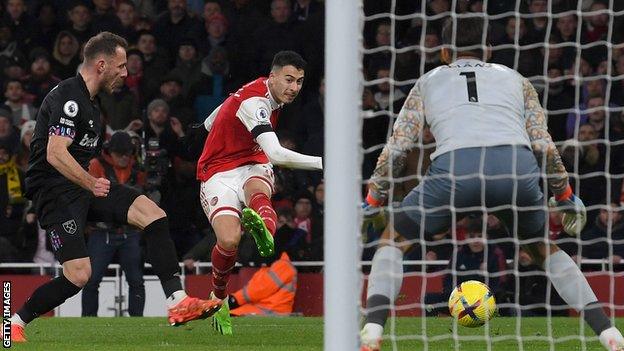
<point>66,121</point>
<point>89,142</point>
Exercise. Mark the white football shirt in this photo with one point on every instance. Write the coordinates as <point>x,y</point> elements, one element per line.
<point>470,103</point>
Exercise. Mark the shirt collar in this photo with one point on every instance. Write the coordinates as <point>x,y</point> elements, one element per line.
<point>274,104</point>
<point>83,86</point>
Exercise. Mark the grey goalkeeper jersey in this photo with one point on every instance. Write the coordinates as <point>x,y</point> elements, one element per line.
<point>470,103</point>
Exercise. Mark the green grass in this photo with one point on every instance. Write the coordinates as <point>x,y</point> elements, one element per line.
<point>300,334</point>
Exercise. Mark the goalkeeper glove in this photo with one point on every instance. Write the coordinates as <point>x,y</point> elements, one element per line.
<point>574,214</point>
<point>374,216</point>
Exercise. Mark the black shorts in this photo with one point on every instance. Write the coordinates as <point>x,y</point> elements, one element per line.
<point>63,211</point>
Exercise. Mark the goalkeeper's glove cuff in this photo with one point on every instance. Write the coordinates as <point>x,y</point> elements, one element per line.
<point>567,194</point>
<point>373,200</point>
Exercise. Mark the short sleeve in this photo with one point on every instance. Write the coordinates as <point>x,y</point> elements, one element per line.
<point>255,113</point>
<point>64,113</point>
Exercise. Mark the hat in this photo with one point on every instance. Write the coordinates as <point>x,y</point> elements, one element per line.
<point>6,114</point>
<point>38,53</point>
<point>28,126</point>
<point>120,142</point>
<point>155,104</point>
<point>187,42</point>
<point>171,78</point>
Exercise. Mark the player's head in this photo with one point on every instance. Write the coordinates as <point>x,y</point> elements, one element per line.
<point>468,32</point>
<point>286,77</point>
<point>105,56</point>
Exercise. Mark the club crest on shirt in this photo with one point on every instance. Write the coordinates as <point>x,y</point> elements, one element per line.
<point>70,226</point>
<point>262,114</point>
<point>70,108</point>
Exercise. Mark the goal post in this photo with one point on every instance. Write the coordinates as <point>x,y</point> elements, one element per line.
<point>343,76</point>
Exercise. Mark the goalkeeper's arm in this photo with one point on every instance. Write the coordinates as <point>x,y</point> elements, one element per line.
<point>393,157</point>
<point>574,213</point>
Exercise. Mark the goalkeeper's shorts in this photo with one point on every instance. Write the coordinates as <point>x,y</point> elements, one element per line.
<point>499,180</point>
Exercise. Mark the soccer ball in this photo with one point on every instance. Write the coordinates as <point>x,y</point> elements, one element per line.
<point>472,304</point>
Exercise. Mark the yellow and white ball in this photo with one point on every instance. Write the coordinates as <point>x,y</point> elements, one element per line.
<point>472,304</point>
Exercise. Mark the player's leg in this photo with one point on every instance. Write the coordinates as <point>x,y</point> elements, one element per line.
<point>101,250</point>
<point>259,218</point>
<point>62,211</point>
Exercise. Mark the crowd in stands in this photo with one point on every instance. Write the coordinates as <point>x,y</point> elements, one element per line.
<point>186,56</point>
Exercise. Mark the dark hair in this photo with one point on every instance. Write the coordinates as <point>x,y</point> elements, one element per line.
<point>127,2</point>
<point>288,58</point>
<point>469,33</point>
<point>5,86</point>
<point>104,43</point>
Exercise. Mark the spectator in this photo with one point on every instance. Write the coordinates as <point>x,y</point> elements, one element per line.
<point>127,15</point>
<point>12,189</point>
<point>537,26</point>
<point>567,31</point>
<point>8,45</point>
<point>527,63</point>
<point>46,27</point>
<point>155,63</point>
<point>117,164</point>
<point>214,34</point>
<point>617,88</point>
<point>80,20</point>
<point>276,35</point>
<point>311,124</point>
<point>597,26</point>
<point>384,99</point>
<point>593,112</point>
<point>23,154</point>
<point>215,82</point>
<point>40,80</point>
<point>607,226</point>
<point>119,108</point>
<point>21,23</point>
<point>167,130</point>
<point>65,55</point>
<point>303,9</point>
<point>171,93</point>
<point>188,66</point>
<point>560,98</point>
<point>134,80</point>
<point>104,17</point>
<point>13,69</point>
<point>211,7</point>
<point>21,110</point>
<point>409,64</point>
<point>373,62</point>
<point>174,25</point>
<point>310,234</point>
<point>554,52</point>
<point>8,133</point>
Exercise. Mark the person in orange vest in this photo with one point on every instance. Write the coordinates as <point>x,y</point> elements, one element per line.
<point>271,290</point>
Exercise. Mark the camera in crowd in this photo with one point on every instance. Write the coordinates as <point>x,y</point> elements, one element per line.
<point>156,164</point>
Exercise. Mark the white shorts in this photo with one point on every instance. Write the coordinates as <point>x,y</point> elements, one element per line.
<point>223,193</point>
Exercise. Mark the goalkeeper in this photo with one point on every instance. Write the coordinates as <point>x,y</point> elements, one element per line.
<point>491,133</point>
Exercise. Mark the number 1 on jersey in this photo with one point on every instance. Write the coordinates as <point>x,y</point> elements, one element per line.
<point>471,81</point>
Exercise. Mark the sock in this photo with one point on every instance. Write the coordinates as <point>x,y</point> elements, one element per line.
<point>596,318</point>
<point>175,298</point>
<point>222,263</point>
<point>162,255</point>
<point>568,280</point>
<point>47,297</point>
<point>261,203</point>
<point>371,333</point>
<point>384,283</point>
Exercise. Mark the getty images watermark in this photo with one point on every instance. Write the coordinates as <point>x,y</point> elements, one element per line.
<point>6,314</point>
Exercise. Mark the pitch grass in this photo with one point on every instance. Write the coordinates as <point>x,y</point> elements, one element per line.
<point>297,334</point>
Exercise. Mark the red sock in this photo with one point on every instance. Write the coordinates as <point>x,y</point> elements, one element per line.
<point>222,263</point>
<point>261,203</point>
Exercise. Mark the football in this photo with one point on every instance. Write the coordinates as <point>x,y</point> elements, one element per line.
<point>472,304</point>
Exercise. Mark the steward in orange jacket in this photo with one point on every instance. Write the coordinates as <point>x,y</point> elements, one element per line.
<point>271,291</point>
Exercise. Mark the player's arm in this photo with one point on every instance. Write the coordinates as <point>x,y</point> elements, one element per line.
<point>545,151</point>
<point>393,157</point>
<point>59,157</point>
<point>255,115</point>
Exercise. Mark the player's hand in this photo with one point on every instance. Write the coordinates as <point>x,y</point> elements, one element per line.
<point>374,215</point>
<point>574,214</point>
<point>101,187</point>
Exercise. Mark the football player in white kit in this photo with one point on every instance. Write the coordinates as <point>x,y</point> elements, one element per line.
<point>491,132</point>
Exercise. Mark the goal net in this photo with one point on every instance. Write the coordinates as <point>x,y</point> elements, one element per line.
<point>573,53</point>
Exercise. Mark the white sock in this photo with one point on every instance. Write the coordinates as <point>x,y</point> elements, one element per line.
<point>611,334</point>
<point>568,280</point>
<point>371,333</point>
<point>175,298</point>
<point>16,319</point>
<point>386,275</point>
